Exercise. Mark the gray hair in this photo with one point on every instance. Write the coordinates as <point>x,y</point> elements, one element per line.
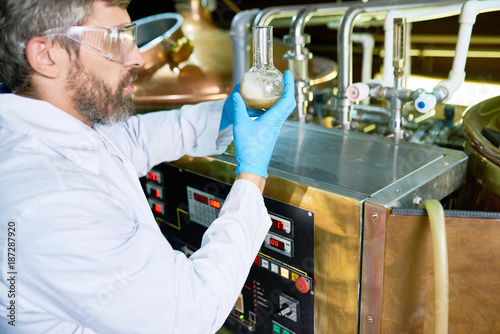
<point>20,20</point>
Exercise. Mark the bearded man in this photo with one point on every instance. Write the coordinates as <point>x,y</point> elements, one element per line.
<point>80,249</point>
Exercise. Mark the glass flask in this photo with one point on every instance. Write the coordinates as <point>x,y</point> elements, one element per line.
<point>262,85</point>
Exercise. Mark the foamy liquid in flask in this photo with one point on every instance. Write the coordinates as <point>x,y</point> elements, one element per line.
<point>262,85</point>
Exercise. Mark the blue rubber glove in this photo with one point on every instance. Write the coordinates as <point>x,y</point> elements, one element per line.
<point>254,140</point>
<point>228,110</point>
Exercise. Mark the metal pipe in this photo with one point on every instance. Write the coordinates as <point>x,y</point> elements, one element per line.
<point>344,56</point>
<point>345,46</point>
<point>283,15</point>
<point>240,33</point>
<point>280,16</point>
<point>416,15</point>
<point>315,15</point>
<point>239,40</point>
<point>266,16</point>
<point>298,55</point>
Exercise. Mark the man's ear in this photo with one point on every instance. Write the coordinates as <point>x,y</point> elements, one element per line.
<point>43,56</point>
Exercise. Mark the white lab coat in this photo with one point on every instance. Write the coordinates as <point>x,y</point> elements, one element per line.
<point>89,256</point>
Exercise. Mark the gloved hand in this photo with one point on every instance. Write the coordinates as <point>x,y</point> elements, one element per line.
<point>228,110</point>
<point>254,140</point>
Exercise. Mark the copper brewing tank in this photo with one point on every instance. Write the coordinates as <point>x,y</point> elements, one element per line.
<point>481,191</point>
<point>194,63</point>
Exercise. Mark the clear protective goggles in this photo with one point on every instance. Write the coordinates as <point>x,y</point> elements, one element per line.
<point>114,43</point>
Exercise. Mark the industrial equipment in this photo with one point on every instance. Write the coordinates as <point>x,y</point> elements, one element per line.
<point>329,195</point>
<point>349,249</point>
<point>482,127</point>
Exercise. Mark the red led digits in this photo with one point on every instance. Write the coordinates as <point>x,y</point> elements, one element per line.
<point>156,193</point>
<point>215,204</point>
<point>205,200</point>
<point>278,224</point>
<point>152,176</point>
<point>157,208</point>
<point>277,244</point>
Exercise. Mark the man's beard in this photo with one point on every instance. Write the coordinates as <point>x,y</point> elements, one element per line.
<point>95,100</point>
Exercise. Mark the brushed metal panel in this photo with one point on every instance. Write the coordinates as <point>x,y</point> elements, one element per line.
<point>348,161</point>
<point>364,166</point>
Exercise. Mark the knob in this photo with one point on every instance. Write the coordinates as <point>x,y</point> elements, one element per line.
<point>425,102</point>
<point>302,284</point>
<point>358,91</point>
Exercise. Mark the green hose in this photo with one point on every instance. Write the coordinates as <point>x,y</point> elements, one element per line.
<point>440,254</point>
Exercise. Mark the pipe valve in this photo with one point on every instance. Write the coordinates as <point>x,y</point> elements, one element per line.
<point>357,92</point>
<point>425,102</point>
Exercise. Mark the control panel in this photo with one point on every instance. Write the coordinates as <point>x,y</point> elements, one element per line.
<point>278,295</point>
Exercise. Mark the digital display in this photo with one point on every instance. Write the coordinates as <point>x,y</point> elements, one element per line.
<point>279,225</point>
<point>277,244</point>
<point>153,176</point>
<point>200,198</point>
<point>156,193</point>
<point>215,204</point>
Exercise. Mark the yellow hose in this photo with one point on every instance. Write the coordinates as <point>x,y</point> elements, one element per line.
<point>440,255</point>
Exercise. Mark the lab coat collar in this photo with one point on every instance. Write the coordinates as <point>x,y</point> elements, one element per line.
<point>52,126</point>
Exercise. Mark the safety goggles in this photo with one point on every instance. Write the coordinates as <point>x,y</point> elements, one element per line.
<point>114,43</point>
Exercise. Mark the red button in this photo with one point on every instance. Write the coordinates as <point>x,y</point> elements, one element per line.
<point>302,284</point>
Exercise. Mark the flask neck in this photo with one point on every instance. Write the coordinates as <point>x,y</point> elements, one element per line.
<point>262,46</point>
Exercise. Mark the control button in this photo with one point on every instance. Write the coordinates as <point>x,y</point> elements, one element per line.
<point>285,272</point>
<point>256,261</point>
<point>274,268</point>
<point>294,276</point>
<point>276,329</point>
<point>302,284</point>
<point>264,263</point>
<point>285,331</point>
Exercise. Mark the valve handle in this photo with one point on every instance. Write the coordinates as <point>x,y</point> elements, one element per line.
<point>425,102</point>
<point>358,91</point>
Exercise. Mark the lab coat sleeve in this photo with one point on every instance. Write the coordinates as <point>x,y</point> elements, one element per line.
<point>156,137</point>
<point>114,275</point>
